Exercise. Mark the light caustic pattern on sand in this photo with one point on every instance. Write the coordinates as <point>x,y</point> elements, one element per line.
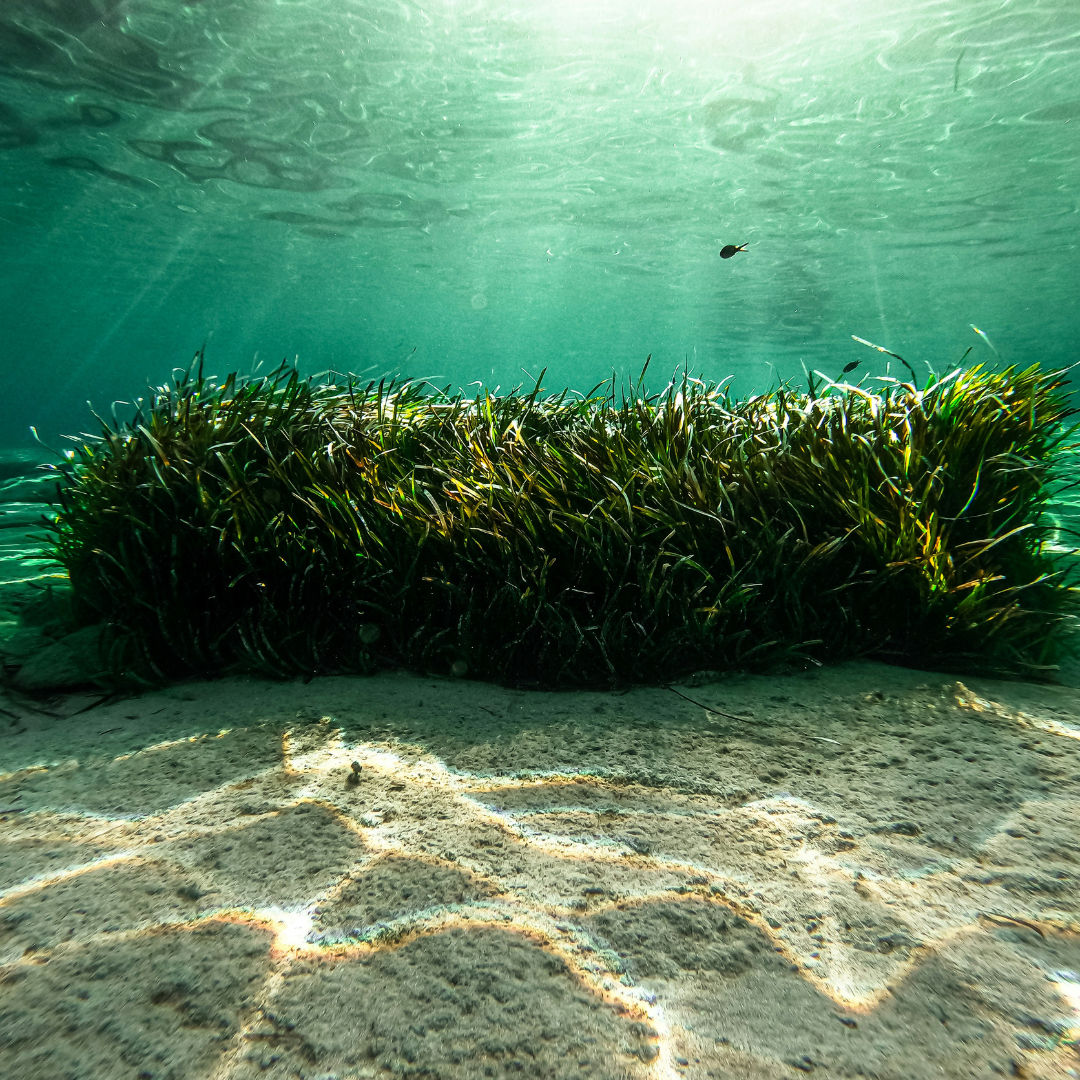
<point>597,877</point>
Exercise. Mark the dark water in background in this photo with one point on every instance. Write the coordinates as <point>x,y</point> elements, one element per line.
<point>549,184</point>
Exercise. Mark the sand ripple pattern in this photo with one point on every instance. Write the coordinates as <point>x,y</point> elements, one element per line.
<point>235,904</point>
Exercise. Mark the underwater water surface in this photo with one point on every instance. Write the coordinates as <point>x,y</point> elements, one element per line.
<point>476,191</point>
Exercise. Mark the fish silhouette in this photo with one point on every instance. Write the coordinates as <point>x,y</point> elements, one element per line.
<point>730,249</point>
<point>852,366</point>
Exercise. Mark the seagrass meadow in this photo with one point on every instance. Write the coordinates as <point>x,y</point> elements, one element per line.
<point>295,526</point>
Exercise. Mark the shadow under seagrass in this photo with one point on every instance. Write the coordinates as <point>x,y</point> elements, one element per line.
<point>286,526</point>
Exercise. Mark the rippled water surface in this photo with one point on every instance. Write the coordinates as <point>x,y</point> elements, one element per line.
<point>500,187</point>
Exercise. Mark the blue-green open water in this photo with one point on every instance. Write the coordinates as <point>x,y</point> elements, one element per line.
<point>472,191</point>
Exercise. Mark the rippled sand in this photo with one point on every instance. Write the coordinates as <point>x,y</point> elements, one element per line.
<point>865,871</point>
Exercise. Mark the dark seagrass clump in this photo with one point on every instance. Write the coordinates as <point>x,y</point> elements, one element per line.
<point>282,525</point>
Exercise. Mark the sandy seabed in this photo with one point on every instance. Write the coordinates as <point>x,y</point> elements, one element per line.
<point>864,871</point>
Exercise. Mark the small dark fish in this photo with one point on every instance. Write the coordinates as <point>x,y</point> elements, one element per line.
<point>852,366</point>
<point>730,249</point>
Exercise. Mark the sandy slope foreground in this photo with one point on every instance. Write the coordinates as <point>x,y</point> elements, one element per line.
<point>866,871</point>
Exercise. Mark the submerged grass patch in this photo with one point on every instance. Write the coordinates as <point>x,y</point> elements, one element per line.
<point>291,527</point>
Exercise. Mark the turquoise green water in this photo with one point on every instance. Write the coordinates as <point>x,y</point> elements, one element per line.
<point>464,191</point>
